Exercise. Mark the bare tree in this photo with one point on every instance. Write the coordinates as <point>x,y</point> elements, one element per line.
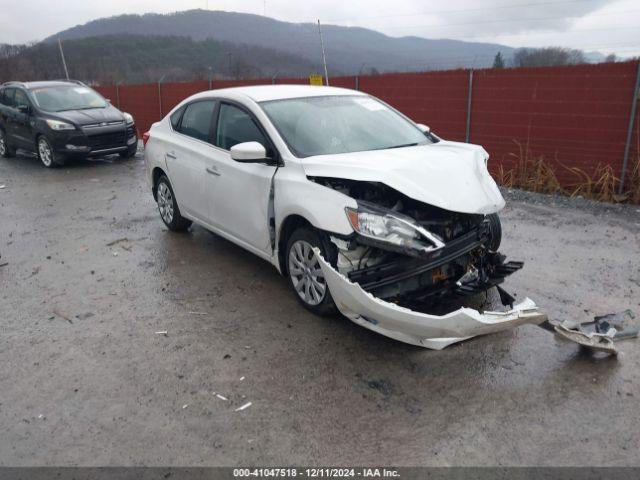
<point>547,57</point>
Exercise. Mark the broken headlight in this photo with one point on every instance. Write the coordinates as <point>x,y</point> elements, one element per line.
<point>389,227</point>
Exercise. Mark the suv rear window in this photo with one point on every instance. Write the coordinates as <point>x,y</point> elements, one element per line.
<point>6,97</point>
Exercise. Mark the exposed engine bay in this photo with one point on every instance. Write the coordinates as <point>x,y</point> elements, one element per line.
<point>416,255</point>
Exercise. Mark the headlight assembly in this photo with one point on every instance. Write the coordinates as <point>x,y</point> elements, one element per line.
<point>59,125</point>
<point>128,118</point>
<point>392,228</point>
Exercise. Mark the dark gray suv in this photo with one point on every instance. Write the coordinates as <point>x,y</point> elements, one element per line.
<point>62,119</point>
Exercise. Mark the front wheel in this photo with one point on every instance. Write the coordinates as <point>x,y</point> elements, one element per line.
<point>47,155</point>
<point>168,207</point>
<point>304,273</point>
<point>495,229</point>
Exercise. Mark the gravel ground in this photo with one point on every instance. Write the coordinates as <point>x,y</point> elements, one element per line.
<point>91,274</point>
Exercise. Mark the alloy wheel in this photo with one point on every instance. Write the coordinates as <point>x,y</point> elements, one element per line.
<point>165,202</point>
<point>3,144</point>
<point>44,150</point>
<point>306,274</point>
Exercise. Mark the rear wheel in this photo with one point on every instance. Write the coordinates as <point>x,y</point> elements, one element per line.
<point>47,155</point>
<point>168,207</point>
<point>6,150</point>
<point>304,273</point>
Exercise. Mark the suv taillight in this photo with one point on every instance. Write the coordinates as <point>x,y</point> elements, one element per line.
<point>145,138</point>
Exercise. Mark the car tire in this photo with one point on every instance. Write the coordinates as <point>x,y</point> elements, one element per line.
<point>6,150</point>
<point>129,153</point>
<point>168,207</point>
<point>495,229</point>
<point>46,154</point>
<point>303,270</point>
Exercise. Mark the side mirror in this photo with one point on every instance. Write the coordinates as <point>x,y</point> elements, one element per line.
<point>249,152</point>
<point>423,128</point>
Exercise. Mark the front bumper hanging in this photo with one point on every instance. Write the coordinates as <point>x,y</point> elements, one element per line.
<point>417,328</point>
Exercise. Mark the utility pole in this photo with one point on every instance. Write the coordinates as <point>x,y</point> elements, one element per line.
<point>64,63</point>
<point>324,58</point>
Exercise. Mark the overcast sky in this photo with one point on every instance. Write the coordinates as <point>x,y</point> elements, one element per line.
<point>601,25</point>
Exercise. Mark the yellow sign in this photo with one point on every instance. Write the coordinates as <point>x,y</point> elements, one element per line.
<point>315,80</point>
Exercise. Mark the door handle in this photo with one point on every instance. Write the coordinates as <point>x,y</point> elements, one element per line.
<point>213,172</point>
<point>171,155</point>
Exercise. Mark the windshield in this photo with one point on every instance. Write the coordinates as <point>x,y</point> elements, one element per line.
<point>67,97</point>
<point>340,124</point>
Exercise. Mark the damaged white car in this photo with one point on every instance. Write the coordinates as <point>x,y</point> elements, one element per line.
<point>359,207</point>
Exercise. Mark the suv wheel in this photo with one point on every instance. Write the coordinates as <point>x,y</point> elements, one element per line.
<point>5,149</point>
<point>46,153</point>
<point>304,274</point>
<point>168,207</point>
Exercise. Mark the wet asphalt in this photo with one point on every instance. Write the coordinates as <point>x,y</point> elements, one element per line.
<point>92,273</point>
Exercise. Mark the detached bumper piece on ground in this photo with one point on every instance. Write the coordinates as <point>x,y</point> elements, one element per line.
<point>417,328</point>
<point>600,334</point>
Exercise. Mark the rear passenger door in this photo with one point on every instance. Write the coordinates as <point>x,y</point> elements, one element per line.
<point>189,155</point>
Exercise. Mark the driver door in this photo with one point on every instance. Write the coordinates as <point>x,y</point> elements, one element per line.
<point>239,192</point>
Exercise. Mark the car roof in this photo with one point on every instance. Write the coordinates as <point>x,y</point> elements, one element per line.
<point>263,93</point>
<point>49,83</point>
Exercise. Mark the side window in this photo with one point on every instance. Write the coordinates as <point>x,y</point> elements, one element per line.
<point>8,97</point>
<point>20,99</point>
<point>236,126</point>
<point>175,118</point>
<point>196,121</point>
<point>2,98</point>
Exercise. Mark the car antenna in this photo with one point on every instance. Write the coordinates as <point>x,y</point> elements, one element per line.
<point>324,58</point>
<point>64,63</point>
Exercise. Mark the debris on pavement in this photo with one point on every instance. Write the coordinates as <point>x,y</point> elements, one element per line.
<point>62,315</point>
<point>198,313</point>
<point>602,342</point>
<point>2,187</point>
<point>598,334</point>
<point>4,264</point>
<point>246,405</point>
<point>185,406</point>
<point>221,397</point>
<point>241,378</point>
<point>163,332</point>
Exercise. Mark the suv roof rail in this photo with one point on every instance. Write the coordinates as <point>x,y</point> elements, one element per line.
<point>13,82</point>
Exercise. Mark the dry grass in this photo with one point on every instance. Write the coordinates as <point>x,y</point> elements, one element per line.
<point>535,174</point>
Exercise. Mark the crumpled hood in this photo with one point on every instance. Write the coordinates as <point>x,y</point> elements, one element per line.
<point>448,175</point>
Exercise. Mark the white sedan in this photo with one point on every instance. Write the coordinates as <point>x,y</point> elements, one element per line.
<point>360,208</point>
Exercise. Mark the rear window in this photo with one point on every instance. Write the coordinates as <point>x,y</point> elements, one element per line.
<point>6,97</point>
<point>175,118</point>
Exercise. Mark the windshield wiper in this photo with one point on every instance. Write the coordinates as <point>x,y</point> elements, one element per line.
<point>402,146</point>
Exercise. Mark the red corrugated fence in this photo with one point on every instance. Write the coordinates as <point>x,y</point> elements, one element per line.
<point>574,116</point>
